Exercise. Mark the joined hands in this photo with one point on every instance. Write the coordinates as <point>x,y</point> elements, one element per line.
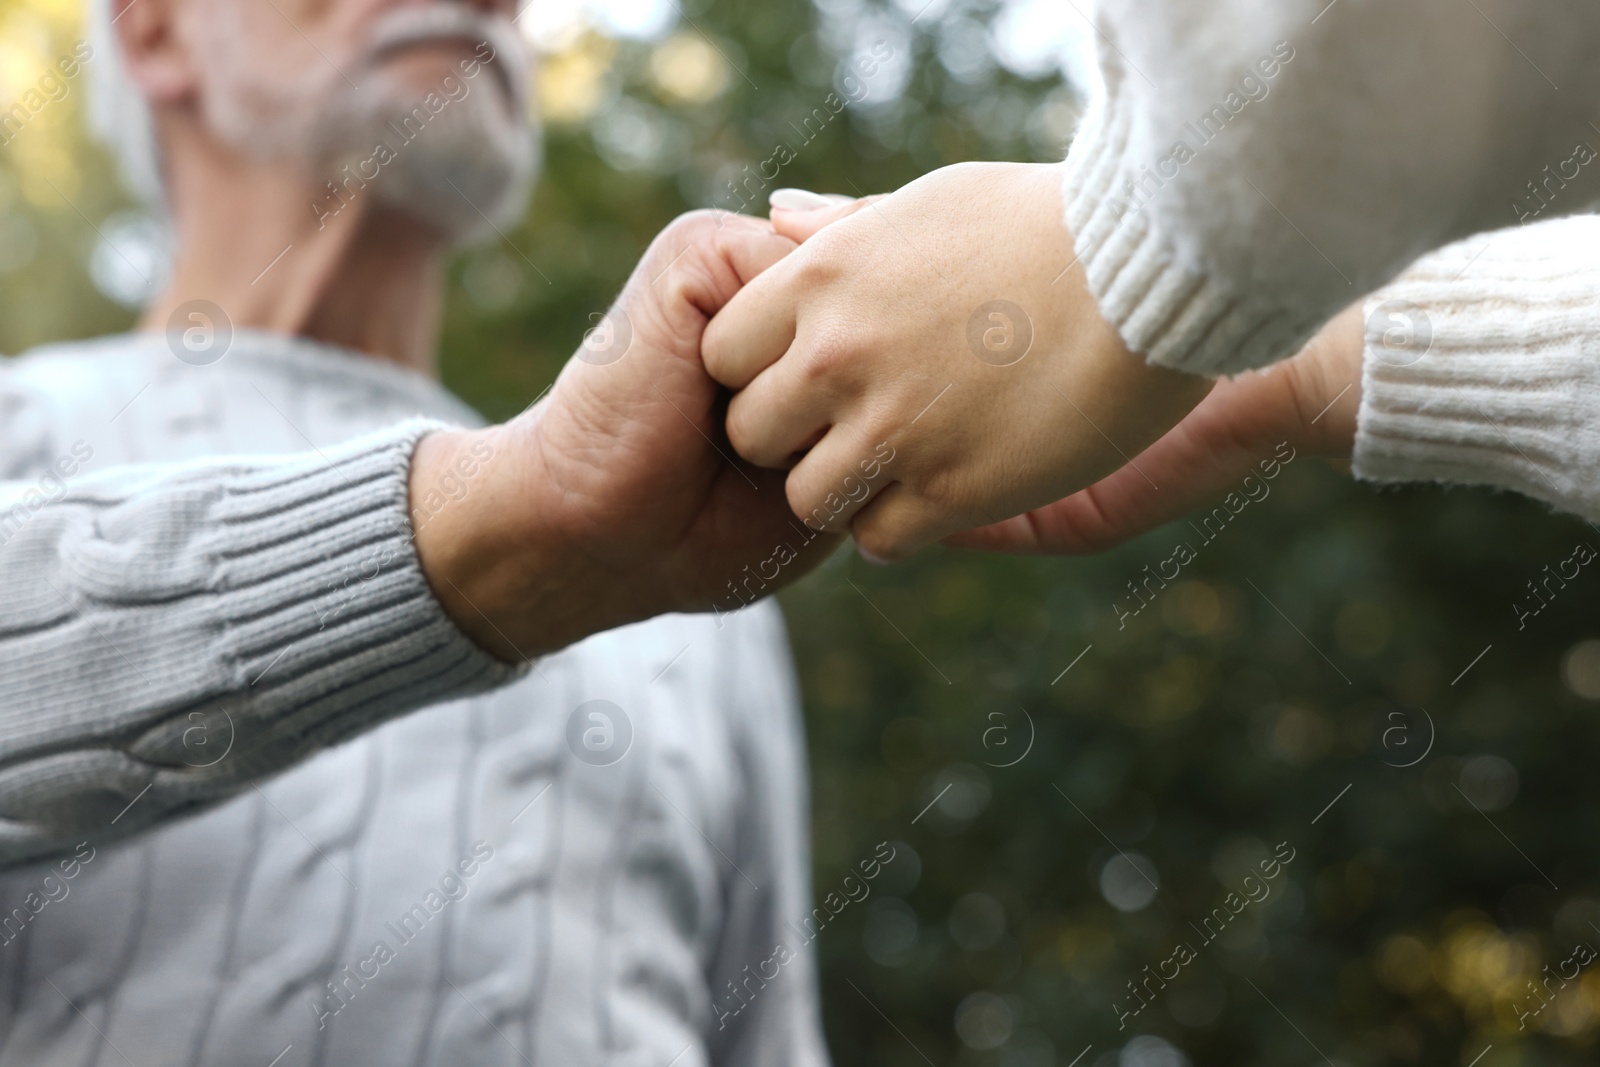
<point>951,320</point>
<point>919,367</point>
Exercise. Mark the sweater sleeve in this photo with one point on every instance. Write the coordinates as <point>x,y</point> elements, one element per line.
<point>1250,167</point>
<point>1482,367</point>
<point>171,634</point>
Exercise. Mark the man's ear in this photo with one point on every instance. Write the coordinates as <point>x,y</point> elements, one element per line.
<point>155,54</point>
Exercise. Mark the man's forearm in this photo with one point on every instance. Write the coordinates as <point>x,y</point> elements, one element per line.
<point>171,634</point>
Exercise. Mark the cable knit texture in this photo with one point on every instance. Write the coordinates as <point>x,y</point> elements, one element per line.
<point>614,896</point>
<point>1482,367</point>
<point>281,596</point>
<point>1250,167</point>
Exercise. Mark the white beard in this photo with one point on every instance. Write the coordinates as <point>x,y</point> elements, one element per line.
<point>465,170</point>
<point>463,167</point>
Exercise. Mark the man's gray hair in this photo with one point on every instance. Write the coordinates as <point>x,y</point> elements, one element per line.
<point>118,113</point>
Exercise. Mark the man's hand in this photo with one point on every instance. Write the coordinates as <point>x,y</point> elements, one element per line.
<point>1309,401</point>
<point>949,320</point>
<point>617,498</point>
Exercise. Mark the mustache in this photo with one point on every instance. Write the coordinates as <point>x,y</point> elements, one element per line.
<point>444,22</point>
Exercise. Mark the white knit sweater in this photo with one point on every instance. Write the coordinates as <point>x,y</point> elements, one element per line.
<point>173,635</point>
<point>1494,376</point>
<point>1248,168</point>
<point>1251,167</point>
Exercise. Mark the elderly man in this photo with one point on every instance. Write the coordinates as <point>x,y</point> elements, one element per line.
<point>224,552</point>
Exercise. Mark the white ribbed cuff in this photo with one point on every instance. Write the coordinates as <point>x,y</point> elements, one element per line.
<point>1164,307</point>
<point>1493,375</point>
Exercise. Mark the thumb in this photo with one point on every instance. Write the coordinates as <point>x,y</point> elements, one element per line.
<point>800,215</point>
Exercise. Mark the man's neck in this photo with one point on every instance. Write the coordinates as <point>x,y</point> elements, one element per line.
<point>261,244</point>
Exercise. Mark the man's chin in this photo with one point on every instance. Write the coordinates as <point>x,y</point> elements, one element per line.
<point>459,211</point>
<point>465,171</point>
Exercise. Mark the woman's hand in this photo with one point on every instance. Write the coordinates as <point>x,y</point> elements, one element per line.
<point>950,323</point>
<point>1309,401</point>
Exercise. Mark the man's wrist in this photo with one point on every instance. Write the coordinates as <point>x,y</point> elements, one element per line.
<point>492,546</point>
<point>468,553</point>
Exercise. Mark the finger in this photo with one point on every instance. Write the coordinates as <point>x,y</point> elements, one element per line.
<point>693,267</point>
<point>778,415</point>
<point>754,330</point>
<point>895,525</point>
<point>800,223</point>
<point>1093,520</point>
<point>737,516</point>
<point>702,259</point>
<point>1015,535</point>
<point>839,477</point>
<point>752,250</point>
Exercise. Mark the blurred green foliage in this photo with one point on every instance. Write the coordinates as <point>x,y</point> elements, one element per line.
<point>1315,645</point>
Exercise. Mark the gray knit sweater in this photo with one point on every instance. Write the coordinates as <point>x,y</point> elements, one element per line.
<point>212,628</point>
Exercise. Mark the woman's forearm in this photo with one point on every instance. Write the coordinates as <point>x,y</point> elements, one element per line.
<point>1253,166</point>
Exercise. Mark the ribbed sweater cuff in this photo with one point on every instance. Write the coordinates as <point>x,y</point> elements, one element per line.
<point>1163,306</point>
<point>321,602</point>
<point>1485,370</point>
<point>177,633</point>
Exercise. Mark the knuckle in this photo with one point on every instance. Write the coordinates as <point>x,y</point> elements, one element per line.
<point>744,432</point>
<point>815,504</point>
<point>942,486</point>
<point>707,226</point>
<point>808,506</point>
<point>715,354</point>
<point>874,537</point>
<point>830,353</point>
<point>692,225</point>
<point>817,265</point>
<point>671,246</point>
